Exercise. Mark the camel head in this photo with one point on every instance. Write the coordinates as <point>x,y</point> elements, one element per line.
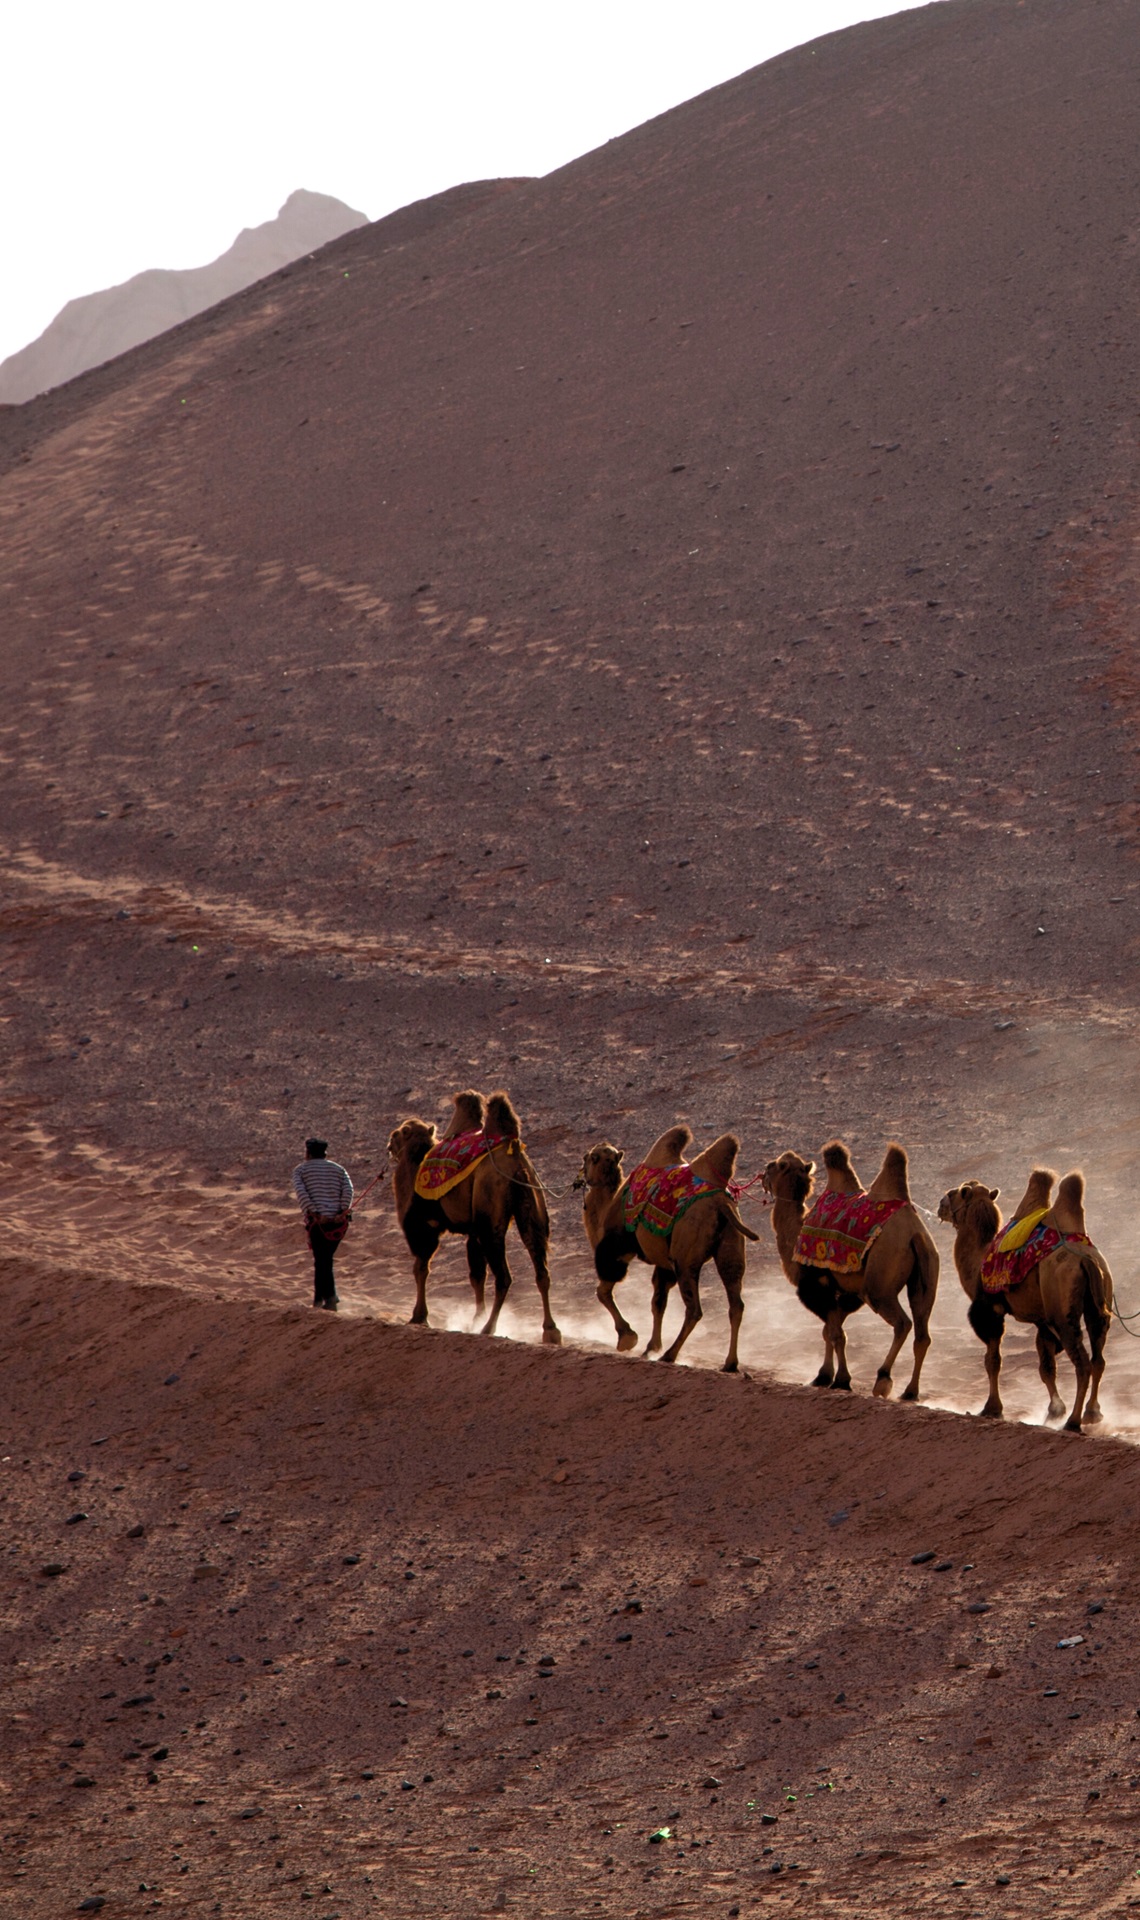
<point>971,1204</point>
<point>601,1168</point>
<point>411,1140</point>
<point>470,1112</point>
<point>790,1178</point>
<point>501,1116</point>
<point>718,1161</point>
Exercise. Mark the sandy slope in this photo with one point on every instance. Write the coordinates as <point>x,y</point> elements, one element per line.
<point>297,1646</point>
<point>661,638</point>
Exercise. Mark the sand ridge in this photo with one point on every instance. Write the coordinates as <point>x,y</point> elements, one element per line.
<point>416,1623</point>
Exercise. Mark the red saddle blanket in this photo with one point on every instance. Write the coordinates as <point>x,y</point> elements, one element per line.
<point>1001,1271</point>
<point>840,1229</point>
<point>656,1197</point>
<point>450,1161</point>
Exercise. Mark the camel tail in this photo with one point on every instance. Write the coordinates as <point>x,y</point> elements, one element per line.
<point>1098,1287</point>
<point>922,1286</point>
<point>728,1212</point>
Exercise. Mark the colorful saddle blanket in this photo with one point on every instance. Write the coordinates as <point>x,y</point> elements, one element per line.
<point>1012,1256</point>
<point>840,1229</point>
<point>450,1161</point>
<point>656,1197</point>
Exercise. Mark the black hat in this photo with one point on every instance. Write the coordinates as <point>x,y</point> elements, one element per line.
<point>316,1148</point>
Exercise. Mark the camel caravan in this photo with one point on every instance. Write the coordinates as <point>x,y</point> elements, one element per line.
<point>842,1248</point>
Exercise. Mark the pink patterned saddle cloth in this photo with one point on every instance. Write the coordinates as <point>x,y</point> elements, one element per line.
<point>840,1229</point>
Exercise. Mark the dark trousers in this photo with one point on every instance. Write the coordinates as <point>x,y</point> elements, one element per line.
<point>324,1286</point>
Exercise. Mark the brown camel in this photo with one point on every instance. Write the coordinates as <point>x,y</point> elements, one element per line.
<point>902,1255</point>
<point>709,1229</point>
<point>1071,1284</point>
<point>502,1188</point>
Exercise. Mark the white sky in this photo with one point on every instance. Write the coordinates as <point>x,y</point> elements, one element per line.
<point>145,133</point>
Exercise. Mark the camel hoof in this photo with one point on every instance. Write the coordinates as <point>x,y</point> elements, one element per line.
<point>882,1387</point>
<point>1071,1426</point>
<point>730,1366</point>
<point>1092,1416</point>
<point>1056,1409</point>
<point>551,1337</point>
<point>841,1386</point>
<point>627,1341</point>
<point>667,1359</point>
<point>992,1411</point>
<point>418,1320</point>
<point>909,1393</point>
<point>822,1379</point>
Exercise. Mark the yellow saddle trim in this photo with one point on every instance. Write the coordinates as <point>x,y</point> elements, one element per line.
<point>1016,1235</point>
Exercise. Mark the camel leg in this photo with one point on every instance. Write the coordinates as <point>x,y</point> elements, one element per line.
<point>1097,1337</point>
<point>611,1264</point>
<point>989,1325</point>
<point>627,1337</point>
<point>1048,1347</point>
<point>689,1283</point>
<point>838,1332</point>
<point>896,1316</point>
<point>729,1262</point>
<point>534,1237</point>
<point>423,1253</point>
<point>1072,1340</point>
<point>818,1294</point>
<point>922,1289</point>
<point>496,1251</point>
<point>663,1278</point>
<point>477,1272</point>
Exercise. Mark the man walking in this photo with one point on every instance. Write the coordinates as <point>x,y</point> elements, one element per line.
<point>325,1194</point>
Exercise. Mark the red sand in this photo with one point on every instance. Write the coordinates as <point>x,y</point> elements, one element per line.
<point>660,638</point>
<point>345,1525</point>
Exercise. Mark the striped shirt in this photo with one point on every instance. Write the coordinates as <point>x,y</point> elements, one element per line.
<point>322,1187</point>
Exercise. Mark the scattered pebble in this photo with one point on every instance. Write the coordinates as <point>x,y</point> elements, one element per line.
<point>1073,1640</point>
<point>52,1569</point>
<point>73,1519</point>
<point>920,1559</point>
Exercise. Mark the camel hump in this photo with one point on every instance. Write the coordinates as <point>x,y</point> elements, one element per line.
<point>890,1183</point>
<point>501,1116</point>
<point>668,1149</point>
<point>718,1161</point>
<point>841,1175</point>
<point>1038,1192</point>
<point>1068,1210</point>
<point>469,1113</point>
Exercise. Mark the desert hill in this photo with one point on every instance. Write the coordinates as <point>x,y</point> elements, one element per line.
<point>98,326</point>
<point>660,637</point>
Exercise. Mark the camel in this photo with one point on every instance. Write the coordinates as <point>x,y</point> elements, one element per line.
<point>902,1255</point>
<point>1071,1284</point>
<point>708,1229</point>
<point>502,1188</point>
